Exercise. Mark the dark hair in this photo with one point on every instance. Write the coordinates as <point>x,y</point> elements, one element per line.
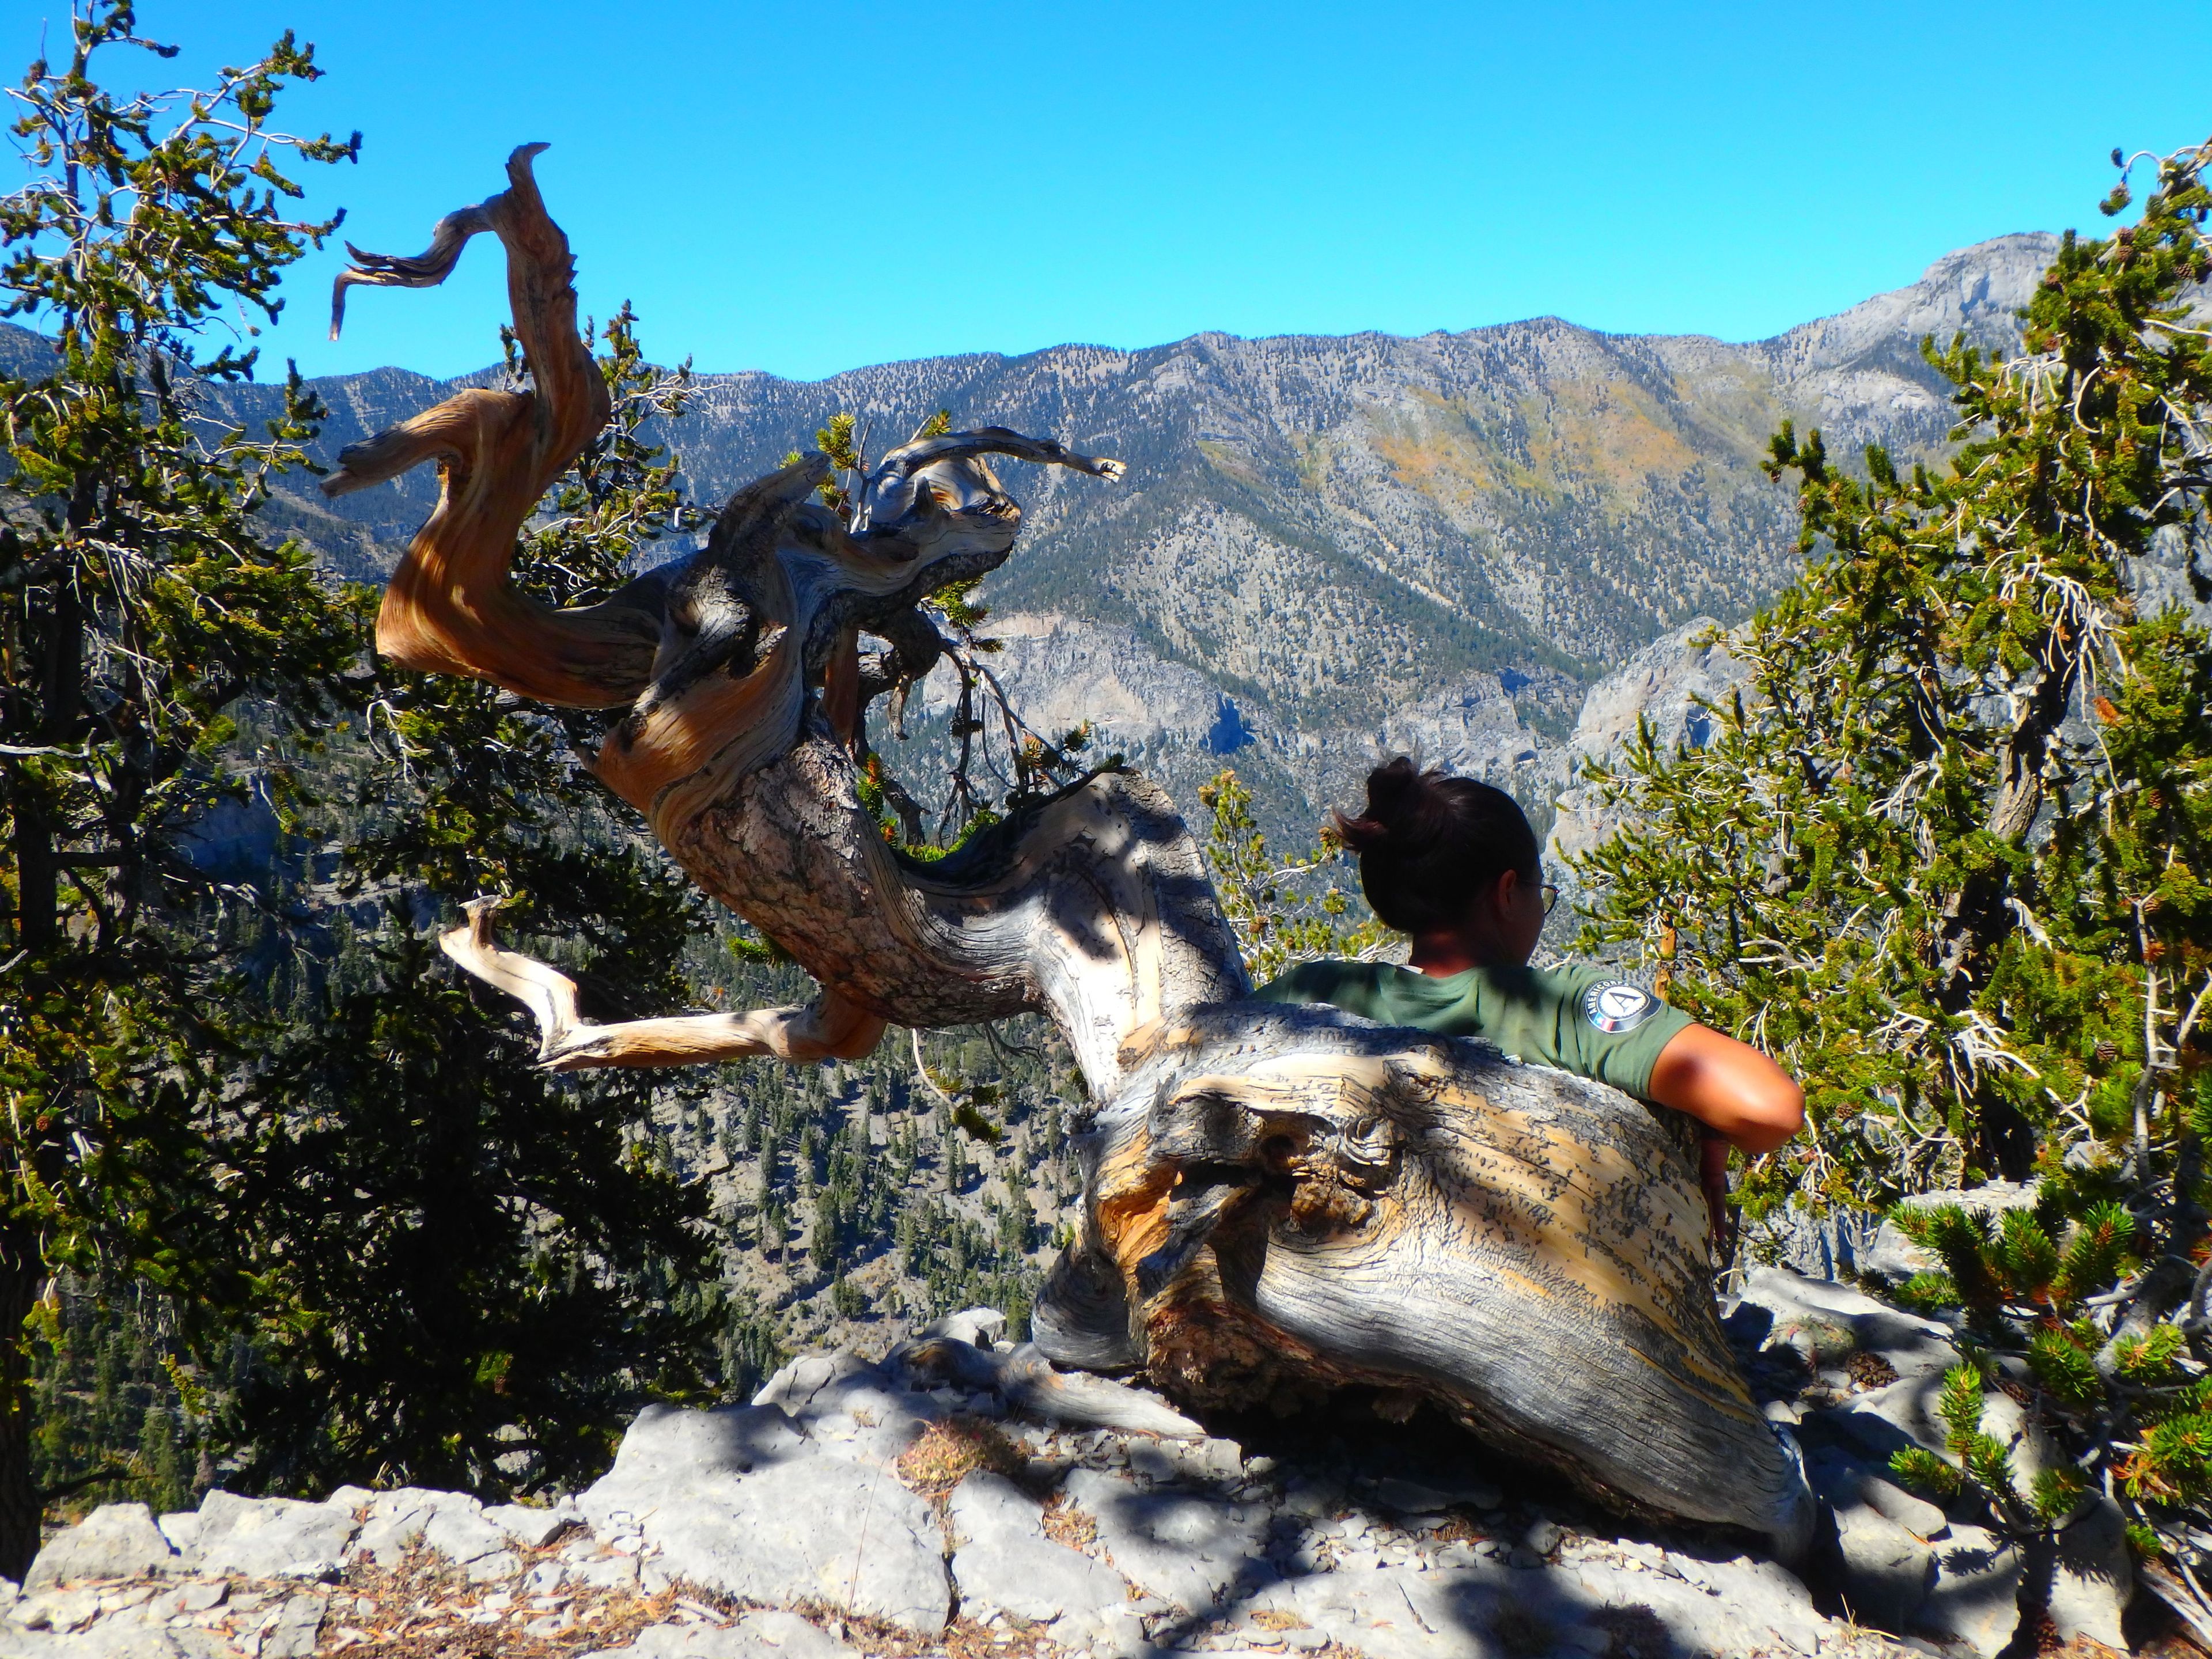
<point>1430,845</point>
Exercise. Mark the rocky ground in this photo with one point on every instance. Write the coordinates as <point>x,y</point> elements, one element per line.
<point>857,1508</point>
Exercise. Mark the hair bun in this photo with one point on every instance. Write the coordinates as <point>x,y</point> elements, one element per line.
<point>1430,845</point>
<point>1395,792</point>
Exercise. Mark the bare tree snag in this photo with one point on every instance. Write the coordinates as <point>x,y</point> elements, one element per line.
<point>1278,1202</point>
<point>829,1028</point>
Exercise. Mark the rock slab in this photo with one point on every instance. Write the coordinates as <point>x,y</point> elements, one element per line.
<point>1003,1562</point>
<point>738,1501</point>
<point>116,1541</point>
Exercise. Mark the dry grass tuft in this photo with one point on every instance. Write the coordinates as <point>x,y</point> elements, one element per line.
<point>1064,1523</point>
<point>412,1611</point>
<point>1277,1619</point>
<point>963,1638</point>
<point>949,1452</point>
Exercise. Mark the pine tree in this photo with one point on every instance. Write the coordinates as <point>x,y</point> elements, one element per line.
<point>141,604</point>
<point>1282,911</point>
<point>1948,856</point>
<point>524,1233</point>
<point>1945,855</point>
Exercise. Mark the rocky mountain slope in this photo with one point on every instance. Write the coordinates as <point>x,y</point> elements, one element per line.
<point>1324,544</point>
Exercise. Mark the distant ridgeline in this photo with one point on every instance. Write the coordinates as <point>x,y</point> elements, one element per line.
<point>1323,541</point>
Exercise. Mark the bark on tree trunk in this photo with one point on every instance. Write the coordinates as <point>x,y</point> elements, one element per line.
<point>1981,915</point>
<point>22,1277</point>
<point>1278,1202</point>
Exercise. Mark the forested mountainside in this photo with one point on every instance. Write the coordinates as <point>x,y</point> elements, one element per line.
<point>1322,541</point>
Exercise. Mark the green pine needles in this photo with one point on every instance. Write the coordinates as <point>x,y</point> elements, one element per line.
<point>340,1229</point>
<point>1945,855</point>
<point>143,606</point>
<point>1283,912</point>
<point>2129,1401</point>
<point>1980,1460</point>
<point>1948,855</point>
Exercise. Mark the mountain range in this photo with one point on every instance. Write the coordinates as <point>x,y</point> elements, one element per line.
<point>1326,546</point>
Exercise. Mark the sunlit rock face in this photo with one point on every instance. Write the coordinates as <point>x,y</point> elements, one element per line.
<point>1674,683</point>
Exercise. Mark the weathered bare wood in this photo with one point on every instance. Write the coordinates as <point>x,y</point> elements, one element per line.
<point>1028,1381</point>
<point>1278,1203</point>
<point>450,607</point>
<point>829,1028</point>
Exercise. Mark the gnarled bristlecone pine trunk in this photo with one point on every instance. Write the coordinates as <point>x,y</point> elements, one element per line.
<point>1278,1202</point>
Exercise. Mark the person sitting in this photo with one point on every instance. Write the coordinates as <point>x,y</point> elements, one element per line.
<point>1453,863</point>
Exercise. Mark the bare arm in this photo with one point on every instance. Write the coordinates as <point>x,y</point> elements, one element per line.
<point>1729,1085</point>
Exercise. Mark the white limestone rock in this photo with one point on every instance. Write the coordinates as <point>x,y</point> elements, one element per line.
<point>298,1625</point>
<point>1185,1549</point>
<point>737,1500</point>
<point>111,1638</point>
<point>1436,1495</point>
<point>1586,1606</point>
<point>771,1634</point>
<point>456,1526</point>
<point>1896,1258</point>
<point>116,1541</point>
<point>847,1406</point>
<point>980,1327</point>
<point>1975,1600</point>
<point>2095,1578</point>
<point>774,1631</point>
<point>665,1443</point>
<point>1844,1481</point>
<point>533,1526</point>
<point>1829,1245</point>
<point>1884,1420</point>
<point>393,1522</point>
<point>1886,1571</point>
<point>795,1387</point>
<point>56,1608</point>
<point>1919,1517</point>
<point>272,1537</point>
<point>182,1529</point>
<point>1838,1320</point>
<point>1003,1562</point>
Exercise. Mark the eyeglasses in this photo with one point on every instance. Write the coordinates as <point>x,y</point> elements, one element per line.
<point>1551,897</point>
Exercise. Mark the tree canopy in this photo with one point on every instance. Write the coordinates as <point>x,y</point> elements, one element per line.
<point>366,1239</point>
<point>1947,854</point>
<point>140,604</point>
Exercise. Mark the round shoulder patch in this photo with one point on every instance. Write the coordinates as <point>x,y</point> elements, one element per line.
<point>1618,1006</point>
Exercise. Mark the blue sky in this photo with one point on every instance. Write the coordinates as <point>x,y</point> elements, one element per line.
<point>804,188</point>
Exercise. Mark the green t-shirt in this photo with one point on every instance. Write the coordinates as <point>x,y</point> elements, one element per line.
<point>1581,1018</point>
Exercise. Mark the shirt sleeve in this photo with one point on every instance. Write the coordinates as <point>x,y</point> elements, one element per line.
<point>1609,1028</point>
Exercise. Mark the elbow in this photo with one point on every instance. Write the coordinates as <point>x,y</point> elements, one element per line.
<point>1774,1118</point>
